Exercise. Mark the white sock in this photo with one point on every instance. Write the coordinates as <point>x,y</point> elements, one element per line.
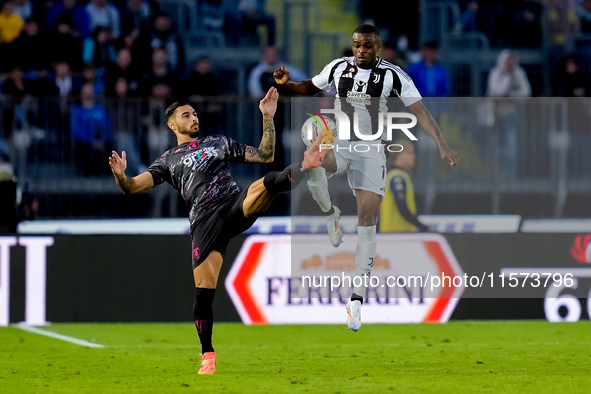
<point>365,255</point>
<point>318,186</point>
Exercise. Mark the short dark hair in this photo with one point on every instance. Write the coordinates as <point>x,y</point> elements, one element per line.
<point>367,29</point>
<point>172,107</point>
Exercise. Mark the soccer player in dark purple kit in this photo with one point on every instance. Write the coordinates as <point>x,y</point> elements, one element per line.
<point>219,210</point>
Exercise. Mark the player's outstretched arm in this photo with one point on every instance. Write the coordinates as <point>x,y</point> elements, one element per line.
<point>118,164</point>
<point>304,88</point>
<point>266,151</point>
<point>430,126</point>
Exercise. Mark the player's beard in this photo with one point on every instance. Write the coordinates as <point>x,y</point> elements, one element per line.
<point>192,132</point>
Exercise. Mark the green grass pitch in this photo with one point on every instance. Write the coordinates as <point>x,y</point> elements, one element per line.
<point>494,357</point>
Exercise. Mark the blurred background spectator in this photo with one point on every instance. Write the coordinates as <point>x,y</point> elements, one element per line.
<point>92,135</point>
<point>22,92</point>
<point>122,69</point>
<point>159,72</point>
<point>161,36</point>
<point>261,78</point>
<point>508,79</point>
<point>24,118</point>
<point>156,135</point>
<point>64,81</point>
<point>212,15</point>
<point>203,82</point>
<point>390,54</point>
<point>126,116</point>
<point>570,81</point>
<point>91,75</point>
<point>243,19</point>
<point>102,13</point>
<point>11,23</point>
<point>136,16</point>
<point>24,8</point>
<point>11,26</point>
<point>80,22</point>
<point>398,211</point>
<point>36,57</point>
<point>469,17</point>
<point>100,48</point>
<point>65,44</point>
<point>428,75</point>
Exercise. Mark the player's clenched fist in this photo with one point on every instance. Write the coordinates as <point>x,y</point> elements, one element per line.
<point>281,75</point>
<point>450,156</point>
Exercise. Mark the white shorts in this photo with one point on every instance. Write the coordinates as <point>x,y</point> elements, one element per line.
<point>365,163</point>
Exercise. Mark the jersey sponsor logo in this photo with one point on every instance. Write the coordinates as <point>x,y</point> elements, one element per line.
<point>360,86</point>
<point>347,75</point>
<point>196,160</point>
<point>358,98</point>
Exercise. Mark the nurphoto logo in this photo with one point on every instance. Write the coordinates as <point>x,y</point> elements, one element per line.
<point>318,123</point>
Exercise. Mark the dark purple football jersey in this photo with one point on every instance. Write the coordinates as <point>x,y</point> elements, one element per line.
<point>200,171</point>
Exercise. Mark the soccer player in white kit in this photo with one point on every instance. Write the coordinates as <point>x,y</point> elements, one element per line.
<point>363,75</point>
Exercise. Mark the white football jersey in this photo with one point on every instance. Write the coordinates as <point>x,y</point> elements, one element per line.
<point>355,87</point>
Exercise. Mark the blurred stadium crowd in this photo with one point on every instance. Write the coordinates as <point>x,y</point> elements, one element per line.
<point>79,78</point>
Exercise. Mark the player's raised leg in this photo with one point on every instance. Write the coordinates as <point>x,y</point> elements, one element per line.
<point>318,187</point>
<point>206,277</point>
<point>368,207</point>
<point>261,192</point>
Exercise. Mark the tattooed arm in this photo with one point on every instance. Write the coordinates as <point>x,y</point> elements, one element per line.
<point>128,185</point>
<point>266,150</point>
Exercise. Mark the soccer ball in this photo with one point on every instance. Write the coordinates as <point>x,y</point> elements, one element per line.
<point>315,126</point>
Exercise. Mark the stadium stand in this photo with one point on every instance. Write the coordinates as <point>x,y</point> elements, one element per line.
<point>550,177</point>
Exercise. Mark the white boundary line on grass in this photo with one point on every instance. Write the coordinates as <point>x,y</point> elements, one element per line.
<point>51,334</point>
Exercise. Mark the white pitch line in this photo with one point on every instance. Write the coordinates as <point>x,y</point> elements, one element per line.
<point>61,337</point>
